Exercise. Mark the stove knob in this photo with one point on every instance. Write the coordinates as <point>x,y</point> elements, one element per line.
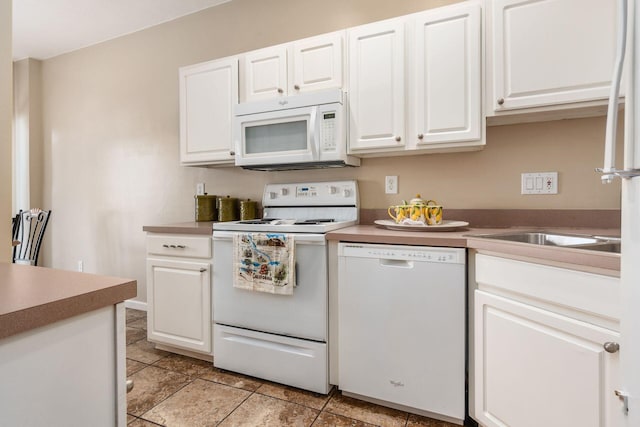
<point>284,191</point>
<point>332,189</point>
<point>346,192</point>
<point>272,194</point>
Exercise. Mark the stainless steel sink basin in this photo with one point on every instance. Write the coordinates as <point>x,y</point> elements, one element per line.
<point>546,239</point>
<point>577,241</point>
<point>610,246</point>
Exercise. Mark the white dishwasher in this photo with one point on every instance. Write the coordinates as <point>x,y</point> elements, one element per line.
<point>401,333</point>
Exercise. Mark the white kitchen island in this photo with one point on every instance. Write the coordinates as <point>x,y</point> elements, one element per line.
<point>62,347</point>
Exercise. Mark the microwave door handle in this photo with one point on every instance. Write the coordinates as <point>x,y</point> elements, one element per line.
<point>313,134</point>
<point>608,170</point>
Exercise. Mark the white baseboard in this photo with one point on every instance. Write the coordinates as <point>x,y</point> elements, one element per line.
<point>136,305</point>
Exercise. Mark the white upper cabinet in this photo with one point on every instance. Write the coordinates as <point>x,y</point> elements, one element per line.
<point>550,52</point>
<point>208,94</point>
<point>317,63</point>
<point>377,86</point>
<point>305,65</point>
<point>446,84</point>
<point>264,73</point>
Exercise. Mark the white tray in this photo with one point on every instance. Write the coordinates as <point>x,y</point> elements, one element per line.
<point>445,226</point>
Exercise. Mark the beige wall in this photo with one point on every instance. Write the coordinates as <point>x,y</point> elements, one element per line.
<point>27,113</point>
<point>6,108</point>
<point>111,137</point>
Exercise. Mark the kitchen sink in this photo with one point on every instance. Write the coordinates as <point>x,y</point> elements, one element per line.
<point>546,239</point>
<point>542,238</point>
<point>610,246</point>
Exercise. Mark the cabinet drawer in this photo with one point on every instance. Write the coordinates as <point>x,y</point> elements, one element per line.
<point>179,245</point>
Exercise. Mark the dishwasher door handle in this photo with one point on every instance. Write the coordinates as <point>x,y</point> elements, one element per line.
<point>397,263</point>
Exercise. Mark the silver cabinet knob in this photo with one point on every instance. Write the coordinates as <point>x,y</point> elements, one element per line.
<point>296,87</point>
<point>420,136</point>
<point>129,385</point>
<point>611,347</point>
<point>280,90</point>
<point>500,101</point>
<point>232,153</point>
<point>398,139</point>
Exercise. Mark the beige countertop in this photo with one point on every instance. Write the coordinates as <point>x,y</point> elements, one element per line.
<point>600,262</point>
<point>31,297</point>
<point>203,228</point>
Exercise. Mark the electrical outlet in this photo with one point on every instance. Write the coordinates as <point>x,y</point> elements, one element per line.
<point>539,183</point>
<point>391,185</point>
<point>80,266</point>
<point>200,189</point>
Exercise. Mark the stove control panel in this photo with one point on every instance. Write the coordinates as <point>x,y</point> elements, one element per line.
<point>333,193</point>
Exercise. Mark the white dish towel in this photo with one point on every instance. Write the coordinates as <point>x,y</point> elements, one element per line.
<point>264,262</point>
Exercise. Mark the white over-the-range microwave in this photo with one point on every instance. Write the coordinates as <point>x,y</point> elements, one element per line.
<point>296,132</point>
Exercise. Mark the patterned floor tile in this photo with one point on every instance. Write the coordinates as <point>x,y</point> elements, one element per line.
<point>151,386</point>
<point>367,412</point>
<point>232,379</point>
<point>138,324</point>
<point>201,403</point>
<point>264,411</point>
<point>133,315</point>
<point>145,352</point>
<point>295,395</point>
<point>134,366</point>
<point>141,423</point>
<point>184,365</point>
<point>327,419</point>
<point>135,334</point>
<point>418,421</point>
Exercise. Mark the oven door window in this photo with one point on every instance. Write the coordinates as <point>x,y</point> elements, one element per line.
<point>290,135</point>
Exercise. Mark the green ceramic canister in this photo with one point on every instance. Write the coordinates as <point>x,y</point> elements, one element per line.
<point>248,210</point>
<point>228,209</point>
<point>205,207</point>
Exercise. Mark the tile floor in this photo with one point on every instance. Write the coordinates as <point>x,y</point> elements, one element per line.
<point>173,390</point>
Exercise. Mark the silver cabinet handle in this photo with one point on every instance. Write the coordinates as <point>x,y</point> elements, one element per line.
<point>398,139</point>
<point>420,136</point>
<point>174,246</point>
<point>280,90</point>
<point>202,270</point>
<point>232,153</point>
<point>611,347</point>
<point>296,87</point>
<point>500,101</point>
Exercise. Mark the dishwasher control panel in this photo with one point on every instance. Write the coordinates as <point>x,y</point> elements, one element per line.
<point>399,252</point>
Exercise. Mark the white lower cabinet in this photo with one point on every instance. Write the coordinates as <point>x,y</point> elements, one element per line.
<point>537,364</point>
<point>179,294</point>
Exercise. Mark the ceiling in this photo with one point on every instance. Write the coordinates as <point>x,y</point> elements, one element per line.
<point>46,28</point>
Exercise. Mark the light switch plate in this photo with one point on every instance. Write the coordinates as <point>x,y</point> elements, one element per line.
<point>200,189</point>
<point>539,183</point>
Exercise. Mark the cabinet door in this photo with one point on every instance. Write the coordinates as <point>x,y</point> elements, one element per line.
<point>264,73</point>
<point>537,368</point>
<point>179,304</point>
<point>447,81</point>
<point>548,52</point>
<point>377,84</point>
<point>208,94</point>
<point>317,63</point>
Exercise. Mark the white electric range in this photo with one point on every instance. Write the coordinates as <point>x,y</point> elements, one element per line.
<point>282,338</point>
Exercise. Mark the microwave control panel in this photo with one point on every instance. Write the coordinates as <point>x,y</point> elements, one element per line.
<point>328,131</point>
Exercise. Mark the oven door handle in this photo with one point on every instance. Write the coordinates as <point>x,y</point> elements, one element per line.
<point>299,238</point>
